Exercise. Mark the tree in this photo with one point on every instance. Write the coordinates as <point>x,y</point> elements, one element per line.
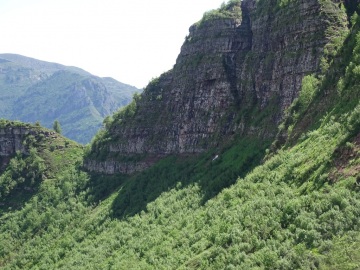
<point>57,127</point>
<point>107,122</point>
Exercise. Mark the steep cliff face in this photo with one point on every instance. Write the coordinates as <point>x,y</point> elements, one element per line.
<point>11,141</point>
<point>17,137</point>
<point>238,69</point>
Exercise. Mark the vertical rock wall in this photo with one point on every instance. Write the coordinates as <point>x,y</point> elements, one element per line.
<point>10,142</point>
<point>230,69</point>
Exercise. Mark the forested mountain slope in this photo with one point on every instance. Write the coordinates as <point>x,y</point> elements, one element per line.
<point>295,205</point>
<point>32,90</point>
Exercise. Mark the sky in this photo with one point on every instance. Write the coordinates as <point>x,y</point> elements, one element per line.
<point>132,41</point>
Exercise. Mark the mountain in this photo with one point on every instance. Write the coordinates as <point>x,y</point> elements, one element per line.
<point>279,191</point>
<point>239,68</point>
<point>34,90</point>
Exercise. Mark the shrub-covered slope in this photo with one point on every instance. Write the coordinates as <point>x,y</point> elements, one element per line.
<point>294,207</point>
<point>33,90</point>
<point>29,156</point>
<point>299,210</point>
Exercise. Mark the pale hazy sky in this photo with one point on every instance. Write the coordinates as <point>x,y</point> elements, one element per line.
<point>129,40</point>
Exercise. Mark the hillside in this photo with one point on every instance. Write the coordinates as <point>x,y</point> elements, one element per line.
<point>265,196</point>
<point>238,69</point>
<point>33,90</point>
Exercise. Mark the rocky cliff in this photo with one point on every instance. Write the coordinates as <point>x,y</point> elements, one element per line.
<point>239,68</point>
<point>20,137</point>
<point>11,141</point>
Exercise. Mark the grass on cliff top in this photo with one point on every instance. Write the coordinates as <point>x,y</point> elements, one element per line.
<point>230,10</point>
<point>48,155</point>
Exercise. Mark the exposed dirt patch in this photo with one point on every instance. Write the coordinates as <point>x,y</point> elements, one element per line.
<point>347,160</point>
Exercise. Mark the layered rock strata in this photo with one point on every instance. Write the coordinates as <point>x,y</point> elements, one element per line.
<point>11,141</point>
<point>243,60</point>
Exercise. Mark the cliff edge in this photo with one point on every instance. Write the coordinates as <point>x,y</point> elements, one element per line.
<point>239,68</point>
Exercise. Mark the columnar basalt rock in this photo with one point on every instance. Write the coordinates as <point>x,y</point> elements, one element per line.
<point>231,67</point>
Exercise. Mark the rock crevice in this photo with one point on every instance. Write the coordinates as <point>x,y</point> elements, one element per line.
<point>230,70</point>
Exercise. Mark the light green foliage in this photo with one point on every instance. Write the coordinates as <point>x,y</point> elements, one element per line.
<point>283,3</point>
<point>299,209</point>
<point>231,10</point>
<point>98,143</point>
<point>6,123</point>
<point>282,215</point>
<point>23,172</point>
<point>57,127</point>
<point>308,91</point>
<point>344,253</point>
<point>127,111</point>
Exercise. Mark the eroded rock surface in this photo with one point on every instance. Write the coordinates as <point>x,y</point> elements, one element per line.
<point>235,74</point>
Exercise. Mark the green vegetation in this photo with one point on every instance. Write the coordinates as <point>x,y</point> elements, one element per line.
<point>229,208</point>
<point>45,155</point>
<point>98,148</point>
<point>57,127</point>
<point>21,169</point>
<point>288,213</point>
<point>128,111</point>
<point>230,10</point>
<point>33,90</point>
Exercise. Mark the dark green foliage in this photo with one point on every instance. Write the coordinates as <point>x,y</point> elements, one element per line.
<point>212,171</point>
<point>351,6</point>
<point>107,121</point>
<point>22,172</point>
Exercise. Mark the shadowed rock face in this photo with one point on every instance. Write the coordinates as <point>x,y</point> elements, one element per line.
<point>352,6</point>
<point>230,69</point>
<point>10,142</point>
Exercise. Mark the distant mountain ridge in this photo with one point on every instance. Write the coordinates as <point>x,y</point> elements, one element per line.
<point>44,66</point>
<point>33,90</point>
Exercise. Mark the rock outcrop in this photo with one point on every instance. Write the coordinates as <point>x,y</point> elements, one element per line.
<point>11,141</point>
<point>239,68</point>
<point>18,137</point>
